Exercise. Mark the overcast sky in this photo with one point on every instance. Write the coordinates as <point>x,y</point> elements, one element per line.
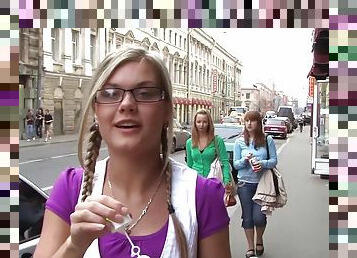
<point>282,56</point>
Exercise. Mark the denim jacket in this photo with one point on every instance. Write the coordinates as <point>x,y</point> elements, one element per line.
<point>245,171</point>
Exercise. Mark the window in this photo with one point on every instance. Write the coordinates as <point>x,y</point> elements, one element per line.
<point>92,49</point>
<point>110,42</point>
<point>184,43</point>
<point>175,72</point>
<point>170,33</point>
<point>180,41</point>
<point>164,34</point>
<point>154,31</point>
<point>55,43</point>
<point>75,41</point>
<point>31,212</point>
<point>175,39</point>
<point>247,95</point>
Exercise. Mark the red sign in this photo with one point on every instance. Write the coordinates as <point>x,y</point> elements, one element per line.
<point>312,81</point>
<point>214,77</point>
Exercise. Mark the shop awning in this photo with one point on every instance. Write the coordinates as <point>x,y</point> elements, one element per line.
<point>319,71</point>
<point>320,67</point>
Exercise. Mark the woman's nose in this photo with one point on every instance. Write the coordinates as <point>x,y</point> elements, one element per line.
<point>128,102</point>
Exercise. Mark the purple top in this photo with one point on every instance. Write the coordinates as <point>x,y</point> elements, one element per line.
<point>212,215</point>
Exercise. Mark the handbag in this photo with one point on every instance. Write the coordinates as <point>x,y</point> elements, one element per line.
<point>217,172</point>
<point>279,186</point>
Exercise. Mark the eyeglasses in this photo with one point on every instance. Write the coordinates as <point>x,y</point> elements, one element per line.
<point>115,95</point>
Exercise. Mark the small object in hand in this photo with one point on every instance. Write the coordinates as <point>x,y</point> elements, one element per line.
<point>253,162</point>
<point>256,166</point>
<point>120,227</point>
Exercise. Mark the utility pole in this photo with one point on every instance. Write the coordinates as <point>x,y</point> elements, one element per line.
<point>189,107</point>
<point>40,68</point>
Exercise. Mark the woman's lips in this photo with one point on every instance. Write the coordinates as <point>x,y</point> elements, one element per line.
<point>128,129</point>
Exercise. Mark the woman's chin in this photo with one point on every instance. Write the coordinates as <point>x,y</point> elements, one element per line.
<point>125,147</point>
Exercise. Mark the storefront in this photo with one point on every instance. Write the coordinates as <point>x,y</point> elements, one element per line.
<point>319,89</point>
<point>320,129</point>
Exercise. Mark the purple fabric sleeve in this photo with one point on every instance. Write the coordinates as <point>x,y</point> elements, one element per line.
<point>65,192</point>
<point>212,215</point>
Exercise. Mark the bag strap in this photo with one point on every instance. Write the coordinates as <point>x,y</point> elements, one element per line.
<point>275,178</point>
<point>267,146</point>
<point>216,148</point>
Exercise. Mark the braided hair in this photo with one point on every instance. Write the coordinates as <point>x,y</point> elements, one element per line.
<point>93,147</point>
<point>181,239</point>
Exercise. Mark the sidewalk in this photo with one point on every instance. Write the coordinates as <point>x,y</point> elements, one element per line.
<point>55,139</point>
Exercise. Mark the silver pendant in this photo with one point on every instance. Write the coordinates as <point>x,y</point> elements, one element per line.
<point>135,250</point>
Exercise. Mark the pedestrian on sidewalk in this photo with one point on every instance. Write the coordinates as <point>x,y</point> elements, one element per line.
<point>250,159</point>
<point>39,122</point>
<point>203,148</point>
<point>48,125</point>
<point>30,120</point>
<point>153,201</point>
<point>301,125</point>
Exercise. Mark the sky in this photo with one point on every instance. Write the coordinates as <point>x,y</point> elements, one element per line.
<point>279,56</point>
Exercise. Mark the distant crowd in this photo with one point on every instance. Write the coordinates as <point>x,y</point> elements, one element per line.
<point>36,122</point>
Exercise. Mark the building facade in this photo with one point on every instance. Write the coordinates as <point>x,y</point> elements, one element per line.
<point>250,98</point>
<point>203,74</point>
<point>29,73</point>
<point>266,97</point>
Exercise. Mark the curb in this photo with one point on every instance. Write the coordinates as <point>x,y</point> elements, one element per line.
<point>25,145</point>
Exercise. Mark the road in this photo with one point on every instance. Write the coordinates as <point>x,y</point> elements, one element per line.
<point>42,164</point>
<point>298,230</point>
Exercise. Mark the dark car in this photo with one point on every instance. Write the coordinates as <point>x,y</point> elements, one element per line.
<point>276,127</point>
<point>229,134</point>
<point>31,212</point>
<point>287,111</point>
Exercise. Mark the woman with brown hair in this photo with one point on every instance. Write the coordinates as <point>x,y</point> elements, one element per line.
<point>250,159</point>
<point>137,202</point>
<point>203,147</point>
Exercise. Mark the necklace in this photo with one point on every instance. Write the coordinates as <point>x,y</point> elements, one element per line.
<point>144,211</point>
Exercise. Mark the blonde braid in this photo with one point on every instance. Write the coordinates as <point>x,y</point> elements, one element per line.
<point>93,147</point>
<point>181,238</point>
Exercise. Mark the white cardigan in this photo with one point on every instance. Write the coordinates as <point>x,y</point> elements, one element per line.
<point>183,200</point>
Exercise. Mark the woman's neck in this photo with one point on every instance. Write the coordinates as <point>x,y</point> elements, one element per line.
<point>134,175</point>
<point>202,135</point>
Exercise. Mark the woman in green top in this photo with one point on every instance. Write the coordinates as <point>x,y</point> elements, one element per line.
<point>201,150</point>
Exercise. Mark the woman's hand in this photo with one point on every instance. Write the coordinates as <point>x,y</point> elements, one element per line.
<point>248,156</point>
<point>88,222</point>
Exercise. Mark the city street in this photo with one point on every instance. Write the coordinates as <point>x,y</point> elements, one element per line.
<point>298,230</point>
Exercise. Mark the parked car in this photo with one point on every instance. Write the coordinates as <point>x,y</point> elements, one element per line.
<point>180,136</point>
<point>229,134</point>
<point>276,127</point>
<point>230,120</point>
<point>268,114</point>
<point>31,212</point>
<point>287,111</point>
<point>287,122</point>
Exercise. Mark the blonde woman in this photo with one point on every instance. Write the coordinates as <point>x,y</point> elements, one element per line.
<point>131,100</point>
<point>203,147</point>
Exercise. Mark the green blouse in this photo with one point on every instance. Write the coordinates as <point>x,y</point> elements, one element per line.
<point>201,161</point>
